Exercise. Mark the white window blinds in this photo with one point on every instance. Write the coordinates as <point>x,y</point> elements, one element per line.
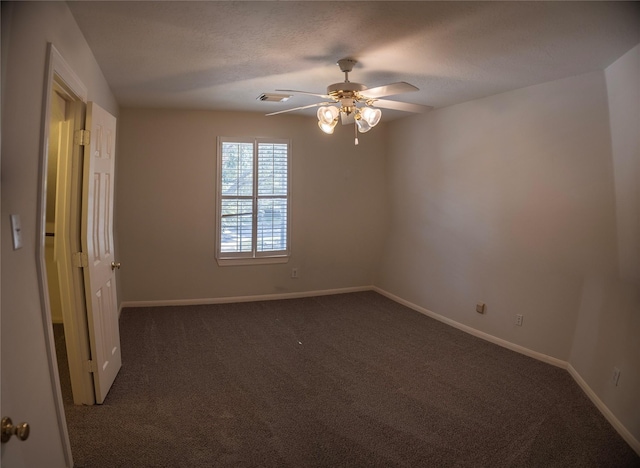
<point>253,198</point>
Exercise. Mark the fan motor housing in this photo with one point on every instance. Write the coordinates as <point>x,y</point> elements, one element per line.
<point>345,89</point>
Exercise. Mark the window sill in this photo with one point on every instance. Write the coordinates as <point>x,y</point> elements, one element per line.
<point>252,261</point>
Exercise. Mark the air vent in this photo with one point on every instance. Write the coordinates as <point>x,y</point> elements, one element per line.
<point>273,97</point>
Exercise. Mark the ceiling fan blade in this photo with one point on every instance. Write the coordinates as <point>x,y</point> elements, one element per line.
<point>401,106</point>
<point>389,90</point>
<point>324,96</point>
<point>347,119</point>
<point>317,104</point>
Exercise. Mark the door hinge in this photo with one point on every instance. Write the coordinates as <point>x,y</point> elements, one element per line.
<point>80,260</point>
<point>91,367</point>
<point>82,137</point>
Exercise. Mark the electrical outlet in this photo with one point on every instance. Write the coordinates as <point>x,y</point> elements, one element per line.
<point>519,319</point>
<point>615,377</point>
<point>294,273</point>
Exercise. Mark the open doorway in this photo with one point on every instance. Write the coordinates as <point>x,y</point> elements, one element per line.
<point>63,204</point>
<point>56,148</point>
<point>74,247</point>
<point>75,252</point>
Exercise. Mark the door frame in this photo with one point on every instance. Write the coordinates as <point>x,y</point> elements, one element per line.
<point>66,243</point>
<point>58,72</point>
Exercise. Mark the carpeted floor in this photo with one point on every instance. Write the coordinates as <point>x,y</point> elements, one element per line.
<point>352,380</point>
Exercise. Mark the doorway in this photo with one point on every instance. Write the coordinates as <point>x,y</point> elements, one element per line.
<point>73,193</point>
<point>62,211</point>
<point>56,148</point>
<point>79,212</point>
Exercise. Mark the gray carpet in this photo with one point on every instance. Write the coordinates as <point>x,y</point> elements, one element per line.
<point>352,380</point>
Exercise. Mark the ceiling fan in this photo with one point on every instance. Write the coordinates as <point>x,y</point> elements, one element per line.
<point>354,102</point>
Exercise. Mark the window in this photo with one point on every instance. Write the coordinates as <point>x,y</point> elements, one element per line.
<point>253,200</point>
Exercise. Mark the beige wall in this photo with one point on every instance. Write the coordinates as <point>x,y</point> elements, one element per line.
<point>166,206</point>
<point>510,200</point>
<point>26,29</point>
<point>623,90</point>
<point>506,200</point>
<point>608,328</point>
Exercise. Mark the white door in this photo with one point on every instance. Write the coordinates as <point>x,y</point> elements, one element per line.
<point>97,244</point>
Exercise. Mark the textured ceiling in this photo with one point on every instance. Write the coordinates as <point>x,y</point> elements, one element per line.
<point>222,55</point>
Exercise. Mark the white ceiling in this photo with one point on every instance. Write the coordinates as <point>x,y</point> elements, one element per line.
<point>222,55</point>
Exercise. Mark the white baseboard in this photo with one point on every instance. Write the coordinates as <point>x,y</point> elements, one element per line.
<point>472,331</point>
<point>227,300</point>
<point>606,412</point>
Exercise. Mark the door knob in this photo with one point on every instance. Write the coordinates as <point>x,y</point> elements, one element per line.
<point>115,265</point>
<point>21,431</point>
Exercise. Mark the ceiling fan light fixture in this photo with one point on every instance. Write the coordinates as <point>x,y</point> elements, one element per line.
<point>363,125</point>
<point>371,115</point>
<point>352,102</point>
<point>328,127</point>
<point>327,114</point>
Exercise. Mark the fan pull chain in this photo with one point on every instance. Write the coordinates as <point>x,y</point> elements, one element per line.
<point>356,127</point>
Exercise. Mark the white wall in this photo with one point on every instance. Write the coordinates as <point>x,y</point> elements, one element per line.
<point>166,206</point>
<point>608,328</point>
<point>510,200</point>
<point>26,383</point>
<point>623,78</point>
<point>506,200</point>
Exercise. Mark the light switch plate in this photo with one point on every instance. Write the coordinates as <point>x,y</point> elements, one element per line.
<point>16,230</point>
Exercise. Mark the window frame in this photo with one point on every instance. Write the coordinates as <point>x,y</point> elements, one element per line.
<point>254,257</point>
